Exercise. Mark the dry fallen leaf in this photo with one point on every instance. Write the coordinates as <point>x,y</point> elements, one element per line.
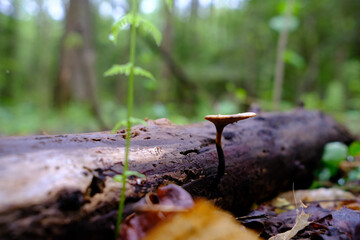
<point>301,223</point>
<point>326,197</point>
<point>153,209</point>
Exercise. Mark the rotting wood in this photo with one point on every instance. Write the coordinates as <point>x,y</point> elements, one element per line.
<point>61,186</point>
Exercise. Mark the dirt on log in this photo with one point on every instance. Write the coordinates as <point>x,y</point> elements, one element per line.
<point>61,186</point>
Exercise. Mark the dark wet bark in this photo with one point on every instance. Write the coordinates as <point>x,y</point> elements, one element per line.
<point>61,186</point>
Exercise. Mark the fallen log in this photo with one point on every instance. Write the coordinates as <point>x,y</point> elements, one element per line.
<point>61,186</point>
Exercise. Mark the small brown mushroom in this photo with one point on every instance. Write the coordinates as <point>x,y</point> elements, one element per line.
<point>220,121</point>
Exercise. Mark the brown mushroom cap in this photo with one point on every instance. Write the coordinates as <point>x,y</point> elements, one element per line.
<point>223,120</point>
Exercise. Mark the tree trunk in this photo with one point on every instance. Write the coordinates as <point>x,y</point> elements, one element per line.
<point>194,9</point>
<point>77,79</point>
<point>61,186</point>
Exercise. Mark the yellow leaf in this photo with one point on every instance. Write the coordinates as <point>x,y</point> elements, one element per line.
<point>202,222</point>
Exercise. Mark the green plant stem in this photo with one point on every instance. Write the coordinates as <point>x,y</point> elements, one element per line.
<point>130,100</point>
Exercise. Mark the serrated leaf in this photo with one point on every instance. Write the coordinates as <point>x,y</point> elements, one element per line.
<point>118,69</point>
<point>149,27</point>
<point>120,25</point>
<point>118,178</point>
<point>138,21</point>
<point>134,173</point>
<point>354,149</point>
<point>144,73</point>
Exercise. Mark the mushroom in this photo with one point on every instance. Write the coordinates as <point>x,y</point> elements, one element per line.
<point>220,121</point>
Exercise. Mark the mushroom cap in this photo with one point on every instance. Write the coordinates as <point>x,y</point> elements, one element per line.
<point>223,120</point>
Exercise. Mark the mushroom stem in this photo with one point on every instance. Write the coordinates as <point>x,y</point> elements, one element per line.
<point>220,121</point>
<point>221,166</point>
<point>220,152</point>
<point>219,130</point>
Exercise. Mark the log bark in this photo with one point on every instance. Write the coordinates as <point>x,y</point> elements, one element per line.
<point>61,186</point>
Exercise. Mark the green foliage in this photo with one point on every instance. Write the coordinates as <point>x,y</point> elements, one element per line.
<point>138,22</point>
<point>283,5</point>
<point>150,28</point>
<point>354,175</point>
<point>123,123</point>
<point>216,47</point>
<point>334,154</point>
<point>354,149</point>
<point>28,118</point>
<point>126,68</point>
<point>120,177</point>
<point>241,94</point>
<point>294,59</point>
<point>125,21</point>
<point>142,72</point>
<point>119,69</point>
<point>130,70</point>
<point>335,96</point>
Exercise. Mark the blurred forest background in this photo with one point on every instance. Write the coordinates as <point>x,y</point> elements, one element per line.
<point>216,56</point>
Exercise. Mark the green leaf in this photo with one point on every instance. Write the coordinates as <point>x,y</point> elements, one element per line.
<point>142,72</point>
<point>294,59</point>
<point>335,95</point>
<point>241,94</point>
<point>118,125</point>
<point>126,68</point>
<point>134,173</point>
<point>118,69</point>
<point>151,85</point>
<point>295,8</point>
<point>138,121</point>
<point>334,153</point>
<point>149,27</point>
<point>138,21</point>
<point>354,149</point>
<point>120,25</point>
<point>118,178</point>
<point>169,4</point>
<point>133,121</point>
<point>354,175</point>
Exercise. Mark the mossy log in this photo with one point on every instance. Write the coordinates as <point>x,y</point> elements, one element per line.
<point>61,186</point>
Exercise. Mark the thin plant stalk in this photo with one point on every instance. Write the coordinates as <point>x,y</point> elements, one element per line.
<point>130,100</point>
<point>280,64</point>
